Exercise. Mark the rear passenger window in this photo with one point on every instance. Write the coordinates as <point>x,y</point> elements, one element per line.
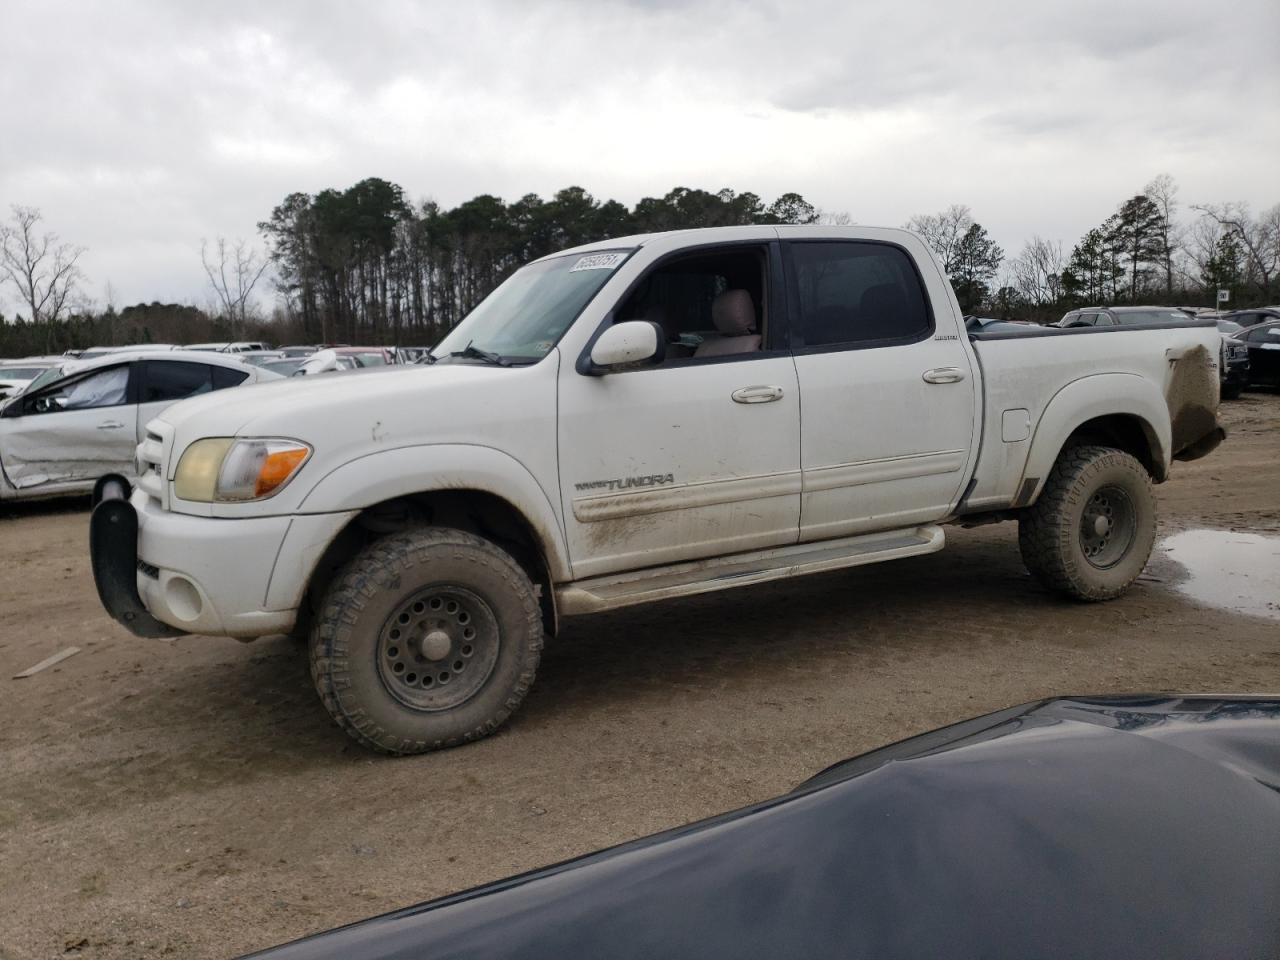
<point>857,293</point>
<point>173,380</point>
<point>224,377</point>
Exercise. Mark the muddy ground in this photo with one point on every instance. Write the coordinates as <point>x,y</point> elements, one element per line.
<point>193,799</point>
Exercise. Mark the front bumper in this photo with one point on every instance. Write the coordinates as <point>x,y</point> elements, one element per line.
<point>202,574</point>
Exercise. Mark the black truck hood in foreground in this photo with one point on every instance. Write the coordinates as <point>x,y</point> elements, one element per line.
<point>1141,826</point>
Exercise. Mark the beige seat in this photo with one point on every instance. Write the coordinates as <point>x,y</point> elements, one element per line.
<point>734,316</point>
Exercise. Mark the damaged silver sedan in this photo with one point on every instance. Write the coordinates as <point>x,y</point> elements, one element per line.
<point>67,432</point>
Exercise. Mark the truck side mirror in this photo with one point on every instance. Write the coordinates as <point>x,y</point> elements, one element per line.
<point>632,341</point>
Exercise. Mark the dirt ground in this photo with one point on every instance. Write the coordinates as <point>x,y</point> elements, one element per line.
<point>192,798</point>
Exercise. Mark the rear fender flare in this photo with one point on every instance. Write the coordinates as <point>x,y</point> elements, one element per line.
<point>1089,398</point>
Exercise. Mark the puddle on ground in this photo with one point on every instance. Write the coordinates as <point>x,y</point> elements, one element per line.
<point>1239,572</point>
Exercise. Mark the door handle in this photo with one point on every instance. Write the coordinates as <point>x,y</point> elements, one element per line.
<point>110,425</point>
<point>943,375</point>
<point>756,394</point>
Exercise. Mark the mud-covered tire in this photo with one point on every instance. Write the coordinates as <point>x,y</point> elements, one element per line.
<point>350,645</point>
<point>1076,539</point>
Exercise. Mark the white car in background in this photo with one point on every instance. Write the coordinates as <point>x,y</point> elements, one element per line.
<point>16,375</point>
<point>83,422</point>
<point>91,353</point>
<point>239,346</point>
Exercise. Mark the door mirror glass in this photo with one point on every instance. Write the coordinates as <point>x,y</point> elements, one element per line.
<point>633,341</point>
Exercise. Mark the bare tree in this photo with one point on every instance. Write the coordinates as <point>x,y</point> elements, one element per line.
<point>1037,271</point>
<point>233,273</point>
<point>44,270</point>
<point>1199,246</point>
<point>831,218</point>
<point>1163,192</point>
<point>943,231</point>
<point>1258,236</point>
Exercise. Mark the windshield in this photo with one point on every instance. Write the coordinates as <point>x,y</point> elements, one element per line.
<point>1149,316</point>
<point>524,318</point>
<point>47,376</point>
<point>284,367</point>
<point>1226,326</point>
<point>21,373</point>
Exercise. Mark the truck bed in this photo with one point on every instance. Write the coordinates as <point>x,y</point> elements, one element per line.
<point>1024,368</point>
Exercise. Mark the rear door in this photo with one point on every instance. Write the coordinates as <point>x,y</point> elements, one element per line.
<point>887,395</point>
<point>70,432</point>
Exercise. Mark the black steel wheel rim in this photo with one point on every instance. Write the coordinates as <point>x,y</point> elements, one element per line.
<point>1108,527</point>
<point>438,648</point>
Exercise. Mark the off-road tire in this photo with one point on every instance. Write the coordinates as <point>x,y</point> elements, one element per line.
<point>346,644</point>
<point>1050,531</point>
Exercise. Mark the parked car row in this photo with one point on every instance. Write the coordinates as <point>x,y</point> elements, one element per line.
<point>248,349</point>
<point>16,375</point>
<point>1250,349</point>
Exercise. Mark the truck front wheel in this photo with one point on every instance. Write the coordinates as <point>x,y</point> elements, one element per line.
<point>1090,534</point>
<point>427,639</point>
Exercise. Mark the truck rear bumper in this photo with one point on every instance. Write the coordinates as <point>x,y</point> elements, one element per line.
<point>201,574</point>
<point>1204,446</point>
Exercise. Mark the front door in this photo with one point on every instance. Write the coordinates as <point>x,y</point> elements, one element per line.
<point>70,432</point>
<point>700,455</point>
<point>889,401</point>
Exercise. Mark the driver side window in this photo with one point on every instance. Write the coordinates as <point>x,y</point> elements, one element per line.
<point>103,388</point>
<point>710,304</point>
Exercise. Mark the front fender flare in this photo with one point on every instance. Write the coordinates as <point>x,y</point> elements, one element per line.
<point>1089,398</point>
<point>425,468</point>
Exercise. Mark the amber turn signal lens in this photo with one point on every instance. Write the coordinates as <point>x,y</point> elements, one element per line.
<point>276,469</point>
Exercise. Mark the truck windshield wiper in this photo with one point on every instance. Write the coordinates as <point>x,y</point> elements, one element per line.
<point>475,353</point>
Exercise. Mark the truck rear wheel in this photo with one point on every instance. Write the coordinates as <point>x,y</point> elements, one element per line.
<point>1090,534</point>
<point>427,639</point>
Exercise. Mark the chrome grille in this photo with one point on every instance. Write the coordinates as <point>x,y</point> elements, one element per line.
<point>150,459</point>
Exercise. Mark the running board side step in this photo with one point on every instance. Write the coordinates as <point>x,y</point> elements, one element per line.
<point>720,573</point>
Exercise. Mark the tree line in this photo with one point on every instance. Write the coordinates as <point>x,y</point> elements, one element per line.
<point>367,265</point>
<point>1144,252</point>
<point>363,263</point>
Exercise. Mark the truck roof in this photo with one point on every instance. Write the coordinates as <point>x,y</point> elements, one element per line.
<point>756,231</point>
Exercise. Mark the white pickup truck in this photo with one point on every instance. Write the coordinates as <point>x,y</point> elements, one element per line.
<point>634,420</point>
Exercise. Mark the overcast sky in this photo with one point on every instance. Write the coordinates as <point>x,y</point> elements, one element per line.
<point>139,128</point>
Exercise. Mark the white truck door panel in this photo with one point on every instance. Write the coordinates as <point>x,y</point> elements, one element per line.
<point>664,464</point>
<point>888,394</point>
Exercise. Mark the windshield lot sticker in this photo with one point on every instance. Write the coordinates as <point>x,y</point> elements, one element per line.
<point>598,261</point>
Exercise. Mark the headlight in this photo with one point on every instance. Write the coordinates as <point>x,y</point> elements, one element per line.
<point>226,469</point>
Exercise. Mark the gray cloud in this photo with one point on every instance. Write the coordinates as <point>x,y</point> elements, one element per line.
<point>141,127</point>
